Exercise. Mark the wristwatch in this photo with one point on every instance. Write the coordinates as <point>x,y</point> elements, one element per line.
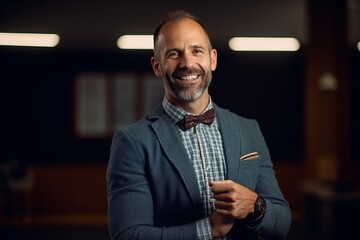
<point>255,217</point>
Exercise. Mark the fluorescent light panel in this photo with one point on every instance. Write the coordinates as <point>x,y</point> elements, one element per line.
<point>29,39</point>
<point>236,43</point>
<point>135,42</point>
<point>264,44</point>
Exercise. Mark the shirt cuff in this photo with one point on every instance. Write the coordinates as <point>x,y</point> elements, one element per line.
<point>203,228</point>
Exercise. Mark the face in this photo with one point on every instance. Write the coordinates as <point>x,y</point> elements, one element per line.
<point>184,60</point>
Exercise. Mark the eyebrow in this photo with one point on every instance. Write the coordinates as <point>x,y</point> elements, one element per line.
<point>197,46</point>
<point>180,50</point>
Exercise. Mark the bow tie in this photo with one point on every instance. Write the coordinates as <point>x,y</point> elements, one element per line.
<point>190,121</point>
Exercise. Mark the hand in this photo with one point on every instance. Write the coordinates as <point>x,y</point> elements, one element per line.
<point>232,200</point>
<point>220,225</point>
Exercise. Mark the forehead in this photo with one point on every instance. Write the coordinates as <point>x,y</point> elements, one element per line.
<point>182,31</point>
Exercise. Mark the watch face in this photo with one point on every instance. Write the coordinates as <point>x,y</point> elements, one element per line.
<point>261,204</point>
<point>259,211</point>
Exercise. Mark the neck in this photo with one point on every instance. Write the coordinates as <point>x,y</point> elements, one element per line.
<point>195,107</point>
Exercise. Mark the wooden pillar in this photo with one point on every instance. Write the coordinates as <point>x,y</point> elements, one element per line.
<point>327,151</point>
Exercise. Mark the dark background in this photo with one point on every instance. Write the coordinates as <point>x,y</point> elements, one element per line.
<point>38,84</point>
<point>39,99</point>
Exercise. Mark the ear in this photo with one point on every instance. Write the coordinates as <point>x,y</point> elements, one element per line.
<point>156,67</point>
<point>213,59</point>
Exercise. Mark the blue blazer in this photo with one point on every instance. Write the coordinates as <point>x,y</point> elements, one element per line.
<point>152,188</point>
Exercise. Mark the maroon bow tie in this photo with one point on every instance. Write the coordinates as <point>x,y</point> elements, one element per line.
<point>190,121</point>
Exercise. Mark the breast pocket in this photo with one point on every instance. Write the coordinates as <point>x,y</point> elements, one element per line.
<point>249,170</point>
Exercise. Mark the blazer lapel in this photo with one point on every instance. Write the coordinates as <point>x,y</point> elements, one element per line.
<point>171,142</point>
<point>231,141</point>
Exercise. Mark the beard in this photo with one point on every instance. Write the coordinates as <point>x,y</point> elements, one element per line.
<point>188,92</point>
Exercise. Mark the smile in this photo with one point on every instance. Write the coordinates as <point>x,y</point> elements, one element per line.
<point>189,77</point>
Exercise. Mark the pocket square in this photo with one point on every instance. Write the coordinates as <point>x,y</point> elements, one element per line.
<point>250,156</point>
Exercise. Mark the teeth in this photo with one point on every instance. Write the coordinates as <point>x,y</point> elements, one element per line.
<point>189,77</point>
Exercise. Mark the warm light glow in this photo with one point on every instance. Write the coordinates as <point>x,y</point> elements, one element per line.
<point>135,42</point>
<point>263,44</point>
<point>358,46</point>
<point>29,39</point>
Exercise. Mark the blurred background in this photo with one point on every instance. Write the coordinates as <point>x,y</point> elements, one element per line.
<point>61,105</point>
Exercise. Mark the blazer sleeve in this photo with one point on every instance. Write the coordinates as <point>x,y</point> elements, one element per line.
<point>130,201</point>
<point>277,220</point>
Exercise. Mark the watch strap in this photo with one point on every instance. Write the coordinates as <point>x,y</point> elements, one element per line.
<point>255,217</point>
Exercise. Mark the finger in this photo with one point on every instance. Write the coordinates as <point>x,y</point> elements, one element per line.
<point>225,197</point>
<point>220,186</point>
<point>217,183</point>
<point>222,205</point>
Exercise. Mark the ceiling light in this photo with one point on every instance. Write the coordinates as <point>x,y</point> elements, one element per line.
<point>29,39</point>
<point>264,44</point>
<point>135,42</point>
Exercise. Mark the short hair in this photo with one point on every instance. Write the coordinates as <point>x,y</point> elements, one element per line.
<point>177,14</point>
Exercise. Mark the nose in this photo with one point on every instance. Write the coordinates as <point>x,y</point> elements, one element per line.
<point>186,60</point>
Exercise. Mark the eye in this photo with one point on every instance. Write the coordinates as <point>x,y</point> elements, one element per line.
<point>173,54</point>
<point>198,51</point>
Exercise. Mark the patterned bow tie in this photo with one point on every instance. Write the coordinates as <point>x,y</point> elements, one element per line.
<point>190,121</point>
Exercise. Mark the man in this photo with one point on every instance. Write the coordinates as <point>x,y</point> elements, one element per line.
<point>172,179</point>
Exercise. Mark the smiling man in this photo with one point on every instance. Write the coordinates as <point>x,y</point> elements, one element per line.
<point>190,169</point>
<point>185,60</point>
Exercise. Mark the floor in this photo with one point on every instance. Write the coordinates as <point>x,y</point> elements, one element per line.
<point>297,232</point>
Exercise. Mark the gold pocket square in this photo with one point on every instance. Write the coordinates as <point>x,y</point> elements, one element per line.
<point>250,156</point>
